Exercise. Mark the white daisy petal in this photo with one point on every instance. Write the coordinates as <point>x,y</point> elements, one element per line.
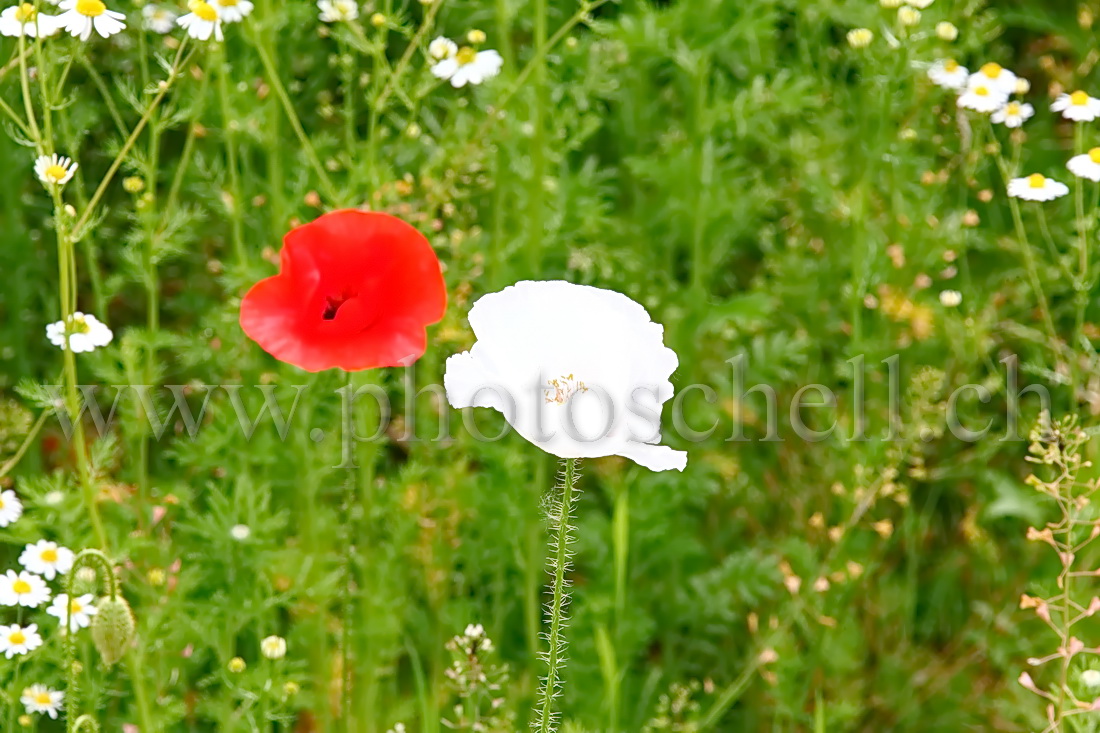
<point>1036,187</point>
<point>1086,165</point>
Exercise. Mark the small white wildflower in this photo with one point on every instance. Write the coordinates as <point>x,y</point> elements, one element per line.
<point>1091,678</point>
<point>81,17</point>
<point>1013,114</point>
<point>995,77</point>
<point>11,508</point>
<point>946,31</point>
<point>25,20</point>
<point>338,11</point>
<point>1079,106</point>
<point>1086,165</point>
<point>1036,187</point>
<point>23,589</point>
<point>55,170</point>
<point>84,333</point>
<point>273,647</point>
<point>908,15</point>
<point>442,48</point>
<point>890,4</point>
<point>47,559</point>
<point>80,612</point>
<point>921,4</point>
<point>860,37</point>
<point>240,532</point>
<point>947,73</point>
<point>233,11</point>
<point>18,640</point>
<point>950,298</point>
<point>982,98</point>
<point>159,19</point>
<point>202,22</point>
<point>468,66</point>
<point>41,699</point>
<point>1023,86</point>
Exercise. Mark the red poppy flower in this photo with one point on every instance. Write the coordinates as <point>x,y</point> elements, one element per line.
<point>355,290</point>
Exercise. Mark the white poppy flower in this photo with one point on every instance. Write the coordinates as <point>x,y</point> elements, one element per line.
<point>1036,187</point>
<point>55,170</point>
<point>1086,165</point>
<point>84,333</point>
<point>442,48</point>
<point>47,559</point>
<point>16,639</point>
<point>79,613</point>
<point>202,22</point>
<point>81,17</point>
<point>947,73</point>
<point>159,19</point>
<point>468,66</point>
<point>995,77</point>
<point>578,371</point>
<point>10,507</point>
<point>982,98</point>
<point>24,20</point>
<point>41,699</point>
<point>233,11</point>
<point>23,589</point>
<point>1079,106</point>
<point>1013,114</point>
<point>338,11</point>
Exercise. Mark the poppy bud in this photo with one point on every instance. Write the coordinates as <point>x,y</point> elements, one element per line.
<point>113,628</point>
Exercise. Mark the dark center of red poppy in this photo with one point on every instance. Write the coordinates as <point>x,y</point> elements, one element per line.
<point>332,305</point>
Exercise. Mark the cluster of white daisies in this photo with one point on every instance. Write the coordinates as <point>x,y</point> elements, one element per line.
<point>83,17</point>
<point>990,91</point>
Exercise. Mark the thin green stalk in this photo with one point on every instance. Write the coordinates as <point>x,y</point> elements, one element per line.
<point>1081,282</point>
<point>21,451</point>
<point>24,81</point>
<point>229,136</point>
<point>535,226</point>
<point>560,515</point>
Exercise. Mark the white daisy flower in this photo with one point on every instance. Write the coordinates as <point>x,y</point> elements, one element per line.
<point>442,48</point>
<point>23,589</point>
<point>233,11</point>
<point>1086,165</point>
<point>10,507</point>
<point>1013,114</point>
<point>273,647</point>
<point>1036,187</point>
<point>202,22</point>
<point>982,98</point>
<point>860,37</point>
<point>576,370</point>
<point>468,66</point>
<point>16,639</point>
<point>950,298</point>
<point>24,20</point>
<point>81,17</point>
<point>1079,106</point>
<point>79,612</point>
<point>55,170</point>
<point>995,77</point>
<point>908,16</point>
<point>159,19</point>
<point>41,699</point>
<point>338,11</point>
<point>947,73</point>
<point>921,4</point>
<point>84,333</point>
<point>47,559</point>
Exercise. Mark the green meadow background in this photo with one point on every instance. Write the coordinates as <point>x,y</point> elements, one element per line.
<point>762,188</point>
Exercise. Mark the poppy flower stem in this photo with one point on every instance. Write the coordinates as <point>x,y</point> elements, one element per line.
<point>562,537</point>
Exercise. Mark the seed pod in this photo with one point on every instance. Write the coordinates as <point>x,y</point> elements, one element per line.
<point>112,628</point>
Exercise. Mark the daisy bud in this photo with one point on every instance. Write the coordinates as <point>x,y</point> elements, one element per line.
<point>26,721</point>
<point>908,16</point>
<point>273,647</point>
<point>236,665</point>
<point>1023,86</point>
<point>112,628</point>
<point>971,218</point>
<point>290,689</point>
<point>476,36</point>
<point>950,298</point>
<point>860,37</point>
<point>890,4</point>
<point>156,577</point>
<point>1091,678</point>
<point>133,184</point>
<point>378,20</point>
<point>70,210</point>
<point>947,31</point>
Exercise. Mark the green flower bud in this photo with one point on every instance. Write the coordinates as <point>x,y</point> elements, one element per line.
<point>113,628</point>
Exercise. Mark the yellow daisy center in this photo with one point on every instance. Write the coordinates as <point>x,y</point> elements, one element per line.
<point>1036,180</point>
<point>49,556</point>
<point>981,91</point>
<point>25,13</point>
<point>21,587</point>
<point>205,11</point>
<point>16,638</point>
<point>465,55</point>
<point>91,8</point>
<point>1,503</point>
<point>75,607</point>
<point>1079,98</point>
<point>42,698</point>
<point>950,65</point>
<point>56,172</point>
<point>1013,108</point>
<point>228,3</point>
<point>992,70</point>
<point>1094,156</point>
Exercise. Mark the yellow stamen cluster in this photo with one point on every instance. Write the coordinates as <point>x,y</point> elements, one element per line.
<point>90,8</point>
<point>1094,156</point>
<point>562,388</point>
<point>204,10</point>
<point>16,638</point>
<point>465,55</point>
<point>25,13</point>
<point>21,586</point>
<point>1036,180</point>
<point>991,70</point>
<point>1079,98</point>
